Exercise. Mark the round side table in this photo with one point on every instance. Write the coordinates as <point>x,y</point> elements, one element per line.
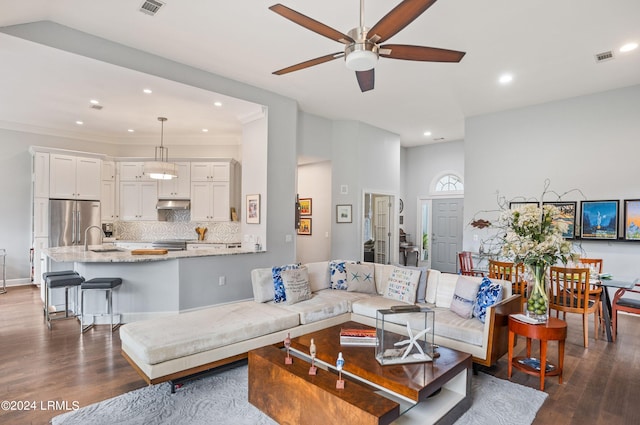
<point>551,330</point>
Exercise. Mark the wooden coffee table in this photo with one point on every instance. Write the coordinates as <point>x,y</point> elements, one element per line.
<point>373,393</point>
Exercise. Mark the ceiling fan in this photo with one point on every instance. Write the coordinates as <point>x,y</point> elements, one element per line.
<point>362,44</point>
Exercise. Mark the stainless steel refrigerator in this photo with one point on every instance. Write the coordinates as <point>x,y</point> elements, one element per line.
<point>68,221</point>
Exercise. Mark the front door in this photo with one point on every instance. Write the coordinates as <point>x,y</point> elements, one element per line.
<point>446,234</point>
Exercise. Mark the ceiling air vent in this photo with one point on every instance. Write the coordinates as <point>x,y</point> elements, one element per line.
<point>151,7</point>
<point>604,56</point>
<point>96,107</point>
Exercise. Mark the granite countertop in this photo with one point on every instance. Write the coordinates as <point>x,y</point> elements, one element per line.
<point>77,254</point>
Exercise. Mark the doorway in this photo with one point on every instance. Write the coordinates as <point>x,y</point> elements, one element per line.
<point>378,231</point>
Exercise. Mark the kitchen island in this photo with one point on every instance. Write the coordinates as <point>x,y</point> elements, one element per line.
<point>157,285</point>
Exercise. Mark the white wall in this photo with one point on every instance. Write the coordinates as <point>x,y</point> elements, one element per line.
<point>254,170</point>
<point>314,181</point>
<point>421,165</point>
<point>588,143</point>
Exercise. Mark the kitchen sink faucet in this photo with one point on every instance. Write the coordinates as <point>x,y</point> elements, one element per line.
<point>86,241</point>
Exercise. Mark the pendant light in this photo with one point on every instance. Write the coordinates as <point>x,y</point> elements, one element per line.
<point>160,168</point>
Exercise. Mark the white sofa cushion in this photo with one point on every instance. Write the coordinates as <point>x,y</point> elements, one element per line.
<point>382,273</point>
<point>262,283</point>
<point>370,306</point>
<point>171,337</point>
<point>432,285</point>
<point>450,325</point>
<point>446,287</point>
<point>334,295</point>
<point>464,297</point>
<point>318,275</point>
<point>318,307</point>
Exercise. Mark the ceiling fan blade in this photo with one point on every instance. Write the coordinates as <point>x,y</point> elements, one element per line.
<point>307,64</point>
<point>394,21</point>
<point>311,24</point>
<point>420,53</point>
<point>366,79</point>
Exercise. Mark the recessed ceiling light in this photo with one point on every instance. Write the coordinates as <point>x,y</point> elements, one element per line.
<point>79,122</point>
<point>505,78</point>
<point>204,130</point>
<point>218,104</point>
<point>131,130</point>
<point>628,47</point>
<point>147,91</point>
<point>94,102</point>
<point>427,133</point>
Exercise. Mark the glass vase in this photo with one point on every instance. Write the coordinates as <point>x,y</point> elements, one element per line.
<point>537,306</point>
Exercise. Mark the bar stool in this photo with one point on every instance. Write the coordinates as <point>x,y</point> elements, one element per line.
<point>107,284</point>
<point>63,279</point>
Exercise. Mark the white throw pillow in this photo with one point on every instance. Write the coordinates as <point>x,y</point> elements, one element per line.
<point>318,275</point>
<point>402,285</point>
<point>432,285</point>
<point>464,297</point>
<point>296,285</point>
<point>361,278</point>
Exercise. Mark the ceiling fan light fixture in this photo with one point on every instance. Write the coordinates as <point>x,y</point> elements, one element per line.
<point>160,168</point>
<point>361,60</point>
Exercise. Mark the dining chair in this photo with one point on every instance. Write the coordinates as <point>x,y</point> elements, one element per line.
<point>512,272</point>
<point>570,293</point>
<point>595,266</point>
<point>626,304</point>
<point>466,265</point>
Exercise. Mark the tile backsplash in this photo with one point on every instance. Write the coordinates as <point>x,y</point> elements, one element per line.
<point>218,232</point>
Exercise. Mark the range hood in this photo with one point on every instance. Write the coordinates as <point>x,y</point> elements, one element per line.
<point>173,204</point>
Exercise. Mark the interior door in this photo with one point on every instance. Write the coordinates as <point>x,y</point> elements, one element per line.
<point>446,233</point>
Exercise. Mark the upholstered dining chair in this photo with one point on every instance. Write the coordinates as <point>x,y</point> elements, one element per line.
<point>466,265</point>
<point>595,266</point>
<point>570,293</point>
<point>622,303</point>
<point>512,272</point>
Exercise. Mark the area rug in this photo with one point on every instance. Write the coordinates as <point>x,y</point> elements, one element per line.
<point>222,399</point>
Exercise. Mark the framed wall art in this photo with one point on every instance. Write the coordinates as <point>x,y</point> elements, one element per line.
<point>517,204</point>
<point>599,220</point>
<point>253,209</point>
<point>305,227</point>
<point>305,206</point>
<point>632,219</point>
<point>567,215</point>
<point>343,213</point>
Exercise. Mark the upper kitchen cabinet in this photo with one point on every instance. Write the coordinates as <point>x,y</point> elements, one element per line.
<point>132,171</point>
<point>74,177</point>
<point>178,188</point>
<point>138,200</point>
<point>40,175</point>
<point>108,170</point>
<point>210,171</point>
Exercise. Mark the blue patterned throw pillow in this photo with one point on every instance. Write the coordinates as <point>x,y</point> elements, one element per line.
<point>338,274</point>
<point>488,294</point>
<point>278,285</point>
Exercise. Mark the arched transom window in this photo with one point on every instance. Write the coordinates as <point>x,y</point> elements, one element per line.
<point>449,183</point>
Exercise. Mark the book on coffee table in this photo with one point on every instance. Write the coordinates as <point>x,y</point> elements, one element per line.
<point>362,337</point>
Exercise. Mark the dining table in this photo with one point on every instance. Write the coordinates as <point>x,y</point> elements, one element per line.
<point>606,311</point>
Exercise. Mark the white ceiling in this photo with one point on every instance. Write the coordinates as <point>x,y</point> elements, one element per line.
<point>548,46</point>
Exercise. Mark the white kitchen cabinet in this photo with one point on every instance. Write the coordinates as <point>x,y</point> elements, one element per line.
<point>133,171</point>
<point>210,201</point>
<point>108,170</point>
<point>178,188</point>
<point>108,201</point>
<point>138,200</point>
<point>39,262</point>
<point>210,171</point>
<point>72,177</point>
<point>41,175</point>
<point>41,217</point>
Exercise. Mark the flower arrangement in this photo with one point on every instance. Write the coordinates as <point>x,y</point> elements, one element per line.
<point>533,236</point>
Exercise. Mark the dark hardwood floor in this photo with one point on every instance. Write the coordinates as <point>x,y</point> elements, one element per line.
<point>39,366</point>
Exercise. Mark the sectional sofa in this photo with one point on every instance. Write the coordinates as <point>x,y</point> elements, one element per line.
<point>173,347</point>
